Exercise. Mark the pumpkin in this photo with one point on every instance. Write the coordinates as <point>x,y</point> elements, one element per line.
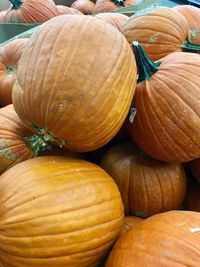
<point>195,168</point>
<point>192,15</point>
<point>63,10</point>
<point>160,31</point>
<point>117,20</point>
<point>167,101</point>
<point>31,11</point>
<point>167,239</point>
<point>147,186</point>
<point>130,222</point>
<point>9,58</point>
<point>78,108</point>
<point>57,211</point>
<point>192,198</point>
<point>2,16</point>
<point>110,5</point>
<point>84,6</point>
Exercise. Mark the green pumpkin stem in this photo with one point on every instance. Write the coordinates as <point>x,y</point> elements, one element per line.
<point>190,47</point>
<point>119,2</point>
<point>146,66</point>
<point>37,144</point>
<point>10,70</point>
<point>16,3</point>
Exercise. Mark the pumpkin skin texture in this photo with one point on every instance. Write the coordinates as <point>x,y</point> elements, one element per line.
<point>147,186</point>
<point>84,6</point>
<point>2,16</point>
<point>167,239</point>
<point>9,58</point>
<point>31,11</point>
<point>195,168</point>
<point>60,101</point>
<point>130,222</point>
<point>117,20</point>
<point>192,15</point>
<point>192,198</point>
<point>57,211</point>
<point>64,10</point>
<point>167,122</point>
<point>110,5</point>
<point>160,31</point>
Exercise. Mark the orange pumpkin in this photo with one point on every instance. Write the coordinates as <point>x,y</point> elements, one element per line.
<point>195,168</point>
<point>31,11</point>
<point>167,239</point>
<point>2,16</point>
<point>160,31</point>
<point>192,15</point>
<point>84,6</point>
<point>9,58</point>
<point>110,5</point>
<point>117,20</point>
<point>147,186</point>
<point>130,222</point>
<point>63,10</point>
<point>57,211</point>
<point>75,107</point>
<point>192,198</point>
<point>167,101</point>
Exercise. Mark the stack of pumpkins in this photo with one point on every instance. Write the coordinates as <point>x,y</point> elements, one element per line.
<point>80,93</point>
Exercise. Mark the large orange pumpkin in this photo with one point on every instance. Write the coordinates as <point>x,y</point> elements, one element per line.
<point>78,107</point>
<point>147,186</point>
<point>64,10</point>
<point>192,198</point>
<point>115,19</point>
<point>31,11</point>
<point>164,240</point>
<point>160,31</point>
<point>9,58</point>
<point>57,212</point>
<point>84,6</point>
<point>195,168</point>
<point>110,5</point>
<point>167,100</point>
<point>192,15</point>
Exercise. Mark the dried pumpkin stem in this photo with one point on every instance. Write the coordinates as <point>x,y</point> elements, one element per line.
<point>119,2</point>
<point>37,144</point>
<point>146,66</point>
<point>16,3</point>
<point>190,47</point>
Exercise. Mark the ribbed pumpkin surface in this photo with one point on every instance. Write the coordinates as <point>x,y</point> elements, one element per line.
<point>117,20</point>
<point>160,31</point>
<point>147,186</point>
<point>76,81</point>
<point>164,240</point>
<point>57,212</point>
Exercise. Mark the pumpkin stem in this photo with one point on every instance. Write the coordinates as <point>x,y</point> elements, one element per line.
<point>190,47</point>
<point>146,66</point>
<point>10,70</point>
<point>37,144</point>
<point>118,2</point>
<point>16,3</point>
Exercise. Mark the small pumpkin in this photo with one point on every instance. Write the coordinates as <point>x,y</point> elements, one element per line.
<point>117,20</point>
<point>2,16</point>
<point>130,222</point>
<point>110,5</point>
<point>167,239</point>
<point>167,103</point>
<point>63,10</point>
<point>192,198</point>
<point>160,31</point>
<point>9,58</point>
<point>147,186</point>
<point>31,11</point>
<point>192,15</point>
<point>195,168</point>
<point>57,211</point>
<point>84,6</point>
<point>57,98</point>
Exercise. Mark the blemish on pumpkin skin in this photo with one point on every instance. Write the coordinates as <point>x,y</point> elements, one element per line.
<point>63,104</point>
<point>5,152</point>
<point>195,230</point>
<point>153,38</point>
<point>194,33</point>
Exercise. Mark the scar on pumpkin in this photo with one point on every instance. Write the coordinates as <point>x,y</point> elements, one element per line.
<point>153,38</point>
